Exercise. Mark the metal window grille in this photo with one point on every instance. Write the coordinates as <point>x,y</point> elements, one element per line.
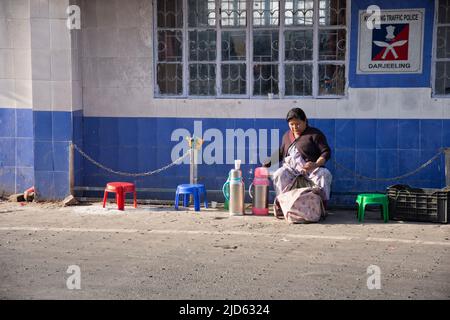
<point>441,52</point>
<point>251,48</point>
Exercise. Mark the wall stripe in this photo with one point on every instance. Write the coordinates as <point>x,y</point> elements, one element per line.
<point>361,103</point>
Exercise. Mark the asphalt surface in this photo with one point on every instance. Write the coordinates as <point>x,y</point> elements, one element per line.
<point>154,252</point>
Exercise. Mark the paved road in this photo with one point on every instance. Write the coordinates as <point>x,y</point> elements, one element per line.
<point>156,253</point>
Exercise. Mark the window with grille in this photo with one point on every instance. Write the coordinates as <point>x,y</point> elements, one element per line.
<point>251,48</point>
<point>442,52</point>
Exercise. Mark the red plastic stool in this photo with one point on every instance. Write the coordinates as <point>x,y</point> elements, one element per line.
<point>120,189</point>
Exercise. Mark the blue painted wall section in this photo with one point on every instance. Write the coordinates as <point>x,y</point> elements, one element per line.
<point>34,146</point>
<point>391,80</point>
<point>53,132</point>
<point>34,150</point>
<point>16,150</point>
<point>372,148</point>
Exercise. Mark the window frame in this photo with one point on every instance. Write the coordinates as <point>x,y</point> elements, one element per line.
<point>249,63</point>
<point>435,59</point>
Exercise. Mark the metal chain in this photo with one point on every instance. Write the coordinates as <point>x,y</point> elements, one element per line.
<point>189,151</point>
<point>394,178</point>
<point>126,173</point>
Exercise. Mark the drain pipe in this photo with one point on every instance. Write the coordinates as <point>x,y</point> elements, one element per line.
<point>71,170</point>
<point>447,167</point>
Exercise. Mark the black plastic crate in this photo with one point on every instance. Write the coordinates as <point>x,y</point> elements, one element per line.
<point>418,204</point>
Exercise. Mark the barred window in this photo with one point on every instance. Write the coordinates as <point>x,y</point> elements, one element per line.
<point>251,48</point>
<point>169,68</point>
<point>442,52</point>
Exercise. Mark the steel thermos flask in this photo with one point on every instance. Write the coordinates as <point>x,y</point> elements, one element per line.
<point>261,192</point>
<point>236,205</point>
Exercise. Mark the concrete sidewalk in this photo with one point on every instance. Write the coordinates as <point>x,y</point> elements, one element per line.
<point>154,252</point>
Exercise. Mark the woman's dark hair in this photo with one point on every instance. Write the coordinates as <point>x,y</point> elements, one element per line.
<point>296,113</point>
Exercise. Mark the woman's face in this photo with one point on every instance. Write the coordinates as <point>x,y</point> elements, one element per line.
<point>297,126</point>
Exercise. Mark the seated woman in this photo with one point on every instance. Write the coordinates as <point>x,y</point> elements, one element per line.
<point>304,151</point>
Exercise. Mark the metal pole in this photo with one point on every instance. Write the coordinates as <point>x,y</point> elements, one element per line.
<point>193,166</point>
<point>193,162</point>
<point>71,169</point>
<point>447,166</point>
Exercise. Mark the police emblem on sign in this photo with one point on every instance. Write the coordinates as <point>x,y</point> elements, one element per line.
<point>390,42</point>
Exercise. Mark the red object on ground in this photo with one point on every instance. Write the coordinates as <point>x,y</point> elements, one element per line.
<point>120,189</point>
<point>29,190</point>
<point>29,194</point>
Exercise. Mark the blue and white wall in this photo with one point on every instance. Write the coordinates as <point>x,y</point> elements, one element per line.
<point>16,116</point>
<point>386,126</point>
<point>40,97</point>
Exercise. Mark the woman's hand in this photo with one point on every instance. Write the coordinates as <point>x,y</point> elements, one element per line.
<point>266,163</point>
<point>310,166</point>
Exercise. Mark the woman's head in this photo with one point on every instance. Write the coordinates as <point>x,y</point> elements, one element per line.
<point>297,121</point>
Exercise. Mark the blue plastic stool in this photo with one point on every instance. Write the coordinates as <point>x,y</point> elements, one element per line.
<point>187,189</point>
<point>202,191</point>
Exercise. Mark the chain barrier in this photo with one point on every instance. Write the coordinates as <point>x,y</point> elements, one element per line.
<point>394,178</point>
<point>149,173</point>
<point>189,151</point>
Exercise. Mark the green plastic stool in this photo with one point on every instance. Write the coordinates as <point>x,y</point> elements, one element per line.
<point>372,198</point>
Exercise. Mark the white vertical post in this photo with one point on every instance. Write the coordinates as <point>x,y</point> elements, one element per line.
<point>218,49</point>
<point>185,50</point>
<point>316,76</point>
<point>249,43</point>
<point>281,48</point>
